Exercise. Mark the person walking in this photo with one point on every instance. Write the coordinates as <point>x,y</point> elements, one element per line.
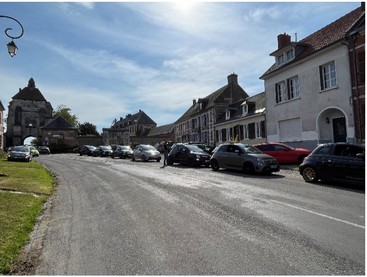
<point>165,153</point>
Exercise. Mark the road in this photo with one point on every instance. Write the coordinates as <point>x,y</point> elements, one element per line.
<point>118,217</point>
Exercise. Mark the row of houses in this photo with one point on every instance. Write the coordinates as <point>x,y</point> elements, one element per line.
<point>314,93</point>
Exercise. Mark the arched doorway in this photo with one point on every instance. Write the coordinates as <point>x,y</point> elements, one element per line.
<point>30,141</point>
<point>332,125</point>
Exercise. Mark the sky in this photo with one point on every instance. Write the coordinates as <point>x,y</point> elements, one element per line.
<point>104,60</point>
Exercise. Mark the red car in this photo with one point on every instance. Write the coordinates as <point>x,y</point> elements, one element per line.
<point>284,153</point>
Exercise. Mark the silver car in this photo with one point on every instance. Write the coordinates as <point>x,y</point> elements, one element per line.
<point>146,152</point>
<point>243,157</point>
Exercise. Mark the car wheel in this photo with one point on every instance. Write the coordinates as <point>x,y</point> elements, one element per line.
<point>169,161</point>
<point>248,168</point>
<point>133,158</point>
<point>309,174</point>
<point>214,165</point>
<point>158,160</point>
<point>143,158</point>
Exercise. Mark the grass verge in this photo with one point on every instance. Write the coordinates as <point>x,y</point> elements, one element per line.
<point>24,188</point>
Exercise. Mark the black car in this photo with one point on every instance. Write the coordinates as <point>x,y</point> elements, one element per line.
<point>341,162</point>
<point>102,151</point>
<point>122,151</point>
<point>188,154</point>
<point>87,150</point>
<point>44,150</point>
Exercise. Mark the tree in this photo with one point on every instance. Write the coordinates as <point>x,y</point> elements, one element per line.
<point>65,112</point>
<point>88,129</point>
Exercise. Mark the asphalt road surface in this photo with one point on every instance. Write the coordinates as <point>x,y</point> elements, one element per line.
<point>118,217</point>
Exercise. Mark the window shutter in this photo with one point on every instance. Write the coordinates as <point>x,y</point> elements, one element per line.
<point>290,130</point>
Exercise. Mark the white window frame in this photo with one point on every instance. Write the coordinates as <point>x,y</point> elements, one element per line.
<point>328,76</point>
<point>258,130</point>
<point>244,109</point>
<point>246,134</point>
<point>281,93</point>
<point>293,87</point>
<point>228,114</point>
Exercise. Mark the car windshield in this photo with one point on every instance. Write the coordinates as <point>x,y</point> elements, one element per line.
<point>194,148</point>
<point>91,147</point>
<point>148,147</point>
<point>21,149</point>
<point>250,149</point>
<point>105,147</point>
<point>125,148</point>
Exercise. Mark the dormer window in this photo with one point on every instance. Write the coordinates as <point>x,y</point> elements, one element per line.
<point>285,56</point>
<point>244,109</point>
<point>228,114</point>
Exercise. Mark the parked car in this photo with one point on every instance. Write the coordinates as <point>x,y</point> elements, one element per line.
<point>102,151</point>
<point>283,152</point>
<point>122,151</point>
<point>44,150</point>
<point>243,157</point>
<point>341,162</point>
<point>146,152</point>
<point>35,152</point>
<point>188,154</point>
<point>20,153</point>
<point>87,150</point>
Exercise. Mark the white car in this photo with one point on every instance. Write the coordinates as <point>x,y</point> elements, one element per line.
<point>146,152</point>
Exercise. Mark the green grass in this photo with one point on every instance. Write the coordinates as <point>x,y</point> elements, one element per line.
<point>19,211</point>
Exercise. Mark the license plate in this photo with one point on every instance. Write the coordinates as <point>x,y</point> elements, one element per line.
<point>273,166</point>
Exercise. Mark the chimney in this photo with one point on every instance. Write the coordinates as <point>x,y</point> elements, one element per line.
<point>193,102</point>
<point>232,79</point>
<point>283,40</point>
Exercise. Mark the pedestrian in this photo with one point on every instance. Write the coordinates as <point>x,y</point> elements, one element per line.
<point>165,148</point>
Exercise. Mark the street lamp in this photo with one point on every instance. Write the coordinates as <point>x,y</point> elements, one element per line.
<point>12,48</point>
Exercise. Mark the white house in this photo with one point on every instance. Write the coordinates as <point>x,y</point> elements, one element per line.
<point>308,88</point>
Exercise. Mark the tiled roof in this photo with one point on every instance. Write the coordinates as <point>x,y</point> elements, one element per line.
<point>212,99</point>
<point>325,37</point>
<point>256,106</point>
<point>139,117</point>
<point>164,129</point>
<point>59,123</point>
<point>30,93</point>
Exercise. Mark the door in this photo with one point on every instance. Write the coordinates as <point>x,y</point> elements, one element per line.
<point>339,130</point>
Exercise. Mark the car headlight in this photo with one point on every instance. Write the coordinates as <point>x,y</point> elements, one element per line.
<point>260,161</point>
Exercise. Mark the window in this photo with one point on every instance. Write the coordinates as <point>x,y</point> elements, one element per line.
<point>245,131</point>
<point>293,88</point>
<point>228,114</point>
<point>328,76</point>
<point>290,55</point>
<point>287,92</point>
<point>244,109</point>
<point>258,130</point>
<point>280,91</point>
<point>281,59</point>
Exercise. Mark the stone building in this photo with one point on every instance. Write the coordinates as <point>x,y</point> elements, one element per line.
<point>59,132</point>
<point>129,130</point>
<point>27,112</point>
<point>197,124</point>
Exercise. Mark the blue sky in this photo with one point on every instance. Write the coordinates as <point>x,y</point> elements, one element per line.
<point>105,60</point>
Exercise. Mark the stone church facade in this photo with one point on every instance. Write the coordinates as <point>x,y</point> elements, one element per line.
<point>27,112</point>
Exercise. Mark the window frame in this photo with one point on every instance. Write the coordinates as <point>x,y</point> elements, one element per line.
<point>328,76</point>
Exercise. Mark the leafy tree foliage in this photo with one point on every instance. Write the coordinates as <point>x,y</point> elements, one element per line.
<point>65,112</point>
<point>88,129</point>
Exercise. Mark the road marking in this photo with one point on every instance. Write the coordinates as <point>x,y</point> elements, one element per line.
<point>319,214</point>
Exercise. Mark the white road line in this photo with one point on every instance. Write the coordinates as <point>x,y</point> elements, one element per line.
<point>319,214</point>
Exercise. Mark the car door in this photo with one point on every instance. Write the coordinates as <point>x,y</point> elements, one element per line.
<point>234,157</point>
<point>349,163</point>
